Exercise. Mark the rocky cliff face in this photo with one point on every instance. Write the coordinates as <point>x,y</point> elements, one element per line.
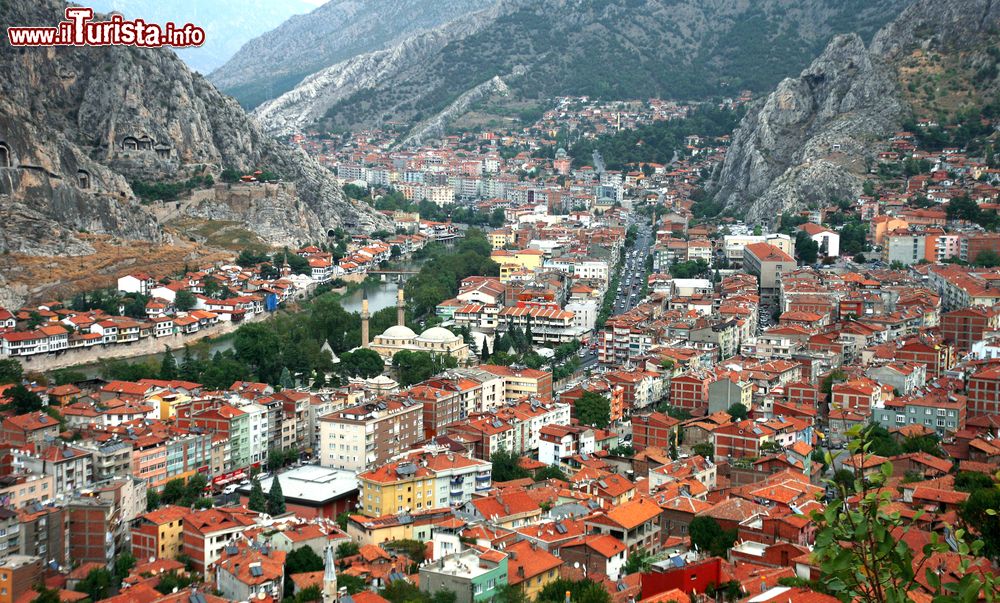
<point>609,48</point>
<point>810,141</point>
<point>275,62</point>
<point>348,80</point>
<point>81,123</point>
<point>807,142</point>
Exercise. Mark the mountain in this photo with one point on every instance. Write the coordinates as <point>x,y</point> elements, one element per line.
<point>275,62</point>
<point>80,126</point>
<point>228,24</point>
<point>811,140</point>
<point>605,48</point>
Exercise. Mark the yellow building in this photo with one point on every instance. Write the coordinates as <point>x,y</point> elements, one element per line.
<point>395,488</point>
<point>160,533</point>
<point>531,568</point>
<point>515,261</point>
<point>398,526</point>
<point>167,402</point>
<point>501,238</point>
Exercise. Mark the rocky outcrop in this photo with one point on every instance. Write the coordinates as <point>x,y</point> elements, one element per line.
<point>310,101</point>
<point>80,124</point>
<point>435,127</point>
<point>810,141</point>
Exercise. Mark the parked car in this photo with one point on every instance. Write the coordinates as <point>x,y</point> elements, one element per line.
<point>230,489</point>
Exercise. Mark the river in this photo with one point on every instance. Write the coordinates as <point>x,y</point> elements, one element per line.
<point>380,295</point>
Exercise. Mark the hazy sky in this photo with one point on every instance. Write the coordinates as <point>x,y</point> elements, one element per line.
<point>228,24</point>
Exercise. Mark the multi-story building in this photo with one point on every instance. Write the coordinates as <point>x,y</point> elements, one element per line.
<point>35,428</point>
<point>71,468</point>
<point>742,439</point>
<point>965,326</point>
<point>18,576</point>
<point>984,392</point>
<point>472,575</point>
<point>245,572</point>
<point>520,382</point>
<point>43,532</point>
<point>690,392</point>
<point>206,533</point>
<point>559,443</point>
<point>370,434</point>
<point>653,430</point>
<point>10,533</point>
<point>767,263</point>
<point>159,533</point>
<point>93,523</point>
<point>422,481</point>
<point>636,524</point>
<point>547,325</point>
<point>943,412</point>
<point>19,490</point>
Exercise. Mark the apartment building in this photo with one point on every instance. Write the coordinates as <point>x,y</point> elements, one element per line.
<point>370,434</point>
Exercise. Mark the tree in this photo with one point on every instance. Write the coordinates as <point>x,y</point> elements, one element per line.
<point>638,562</point>
<point>22,400</point>
<point>353,584</point>
<point>347,549</point>
<point>168,366</point>
<point>806,248</point>
<point>152,499</point>
<point>581,591</point>
<point>979,512</point>
<point>970,481</point>
<point>593,409</point>
<point>506,466</point>
<point>123,565</point>
<point>737,411</point>
<point>185,300</point>
<point>258,501</point>
<point>298,561</point>
<point>10,371</point>
<point>987,258</point>
<point>286,379</point>
<point>705,449</point>
<point>550,472</point>
<point>708,535</point>
<point>96,584</point>
<point>510,593</point>
<point>275,499</point>
<point>189,367</point>
<point>195,487</point>
<point>46,595</point>
<point>173,491</point>
<point>361,363</point>
<point>166,583</point>
<point>862,552</point>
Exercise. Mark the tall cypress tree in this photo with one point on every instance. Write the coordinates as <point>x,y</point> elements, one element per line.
<point>275,499</point>
<point>168,367</point>
<point>189,367</point>
<point>258,502</point>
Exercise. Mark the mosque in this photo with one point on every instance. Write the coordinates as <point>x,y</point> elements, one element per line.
<point>435,340</point>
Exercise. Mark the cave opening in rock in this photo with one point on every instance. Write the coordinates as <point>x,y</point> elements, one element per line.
<point>5,161</point>
<point>83,178</point>
<point>331,233</point>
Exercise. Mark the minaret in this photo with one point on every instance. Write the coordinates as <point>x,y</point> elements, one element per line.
<point>400,308</point>
<point>329,575</point>
<point>364,319</point>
